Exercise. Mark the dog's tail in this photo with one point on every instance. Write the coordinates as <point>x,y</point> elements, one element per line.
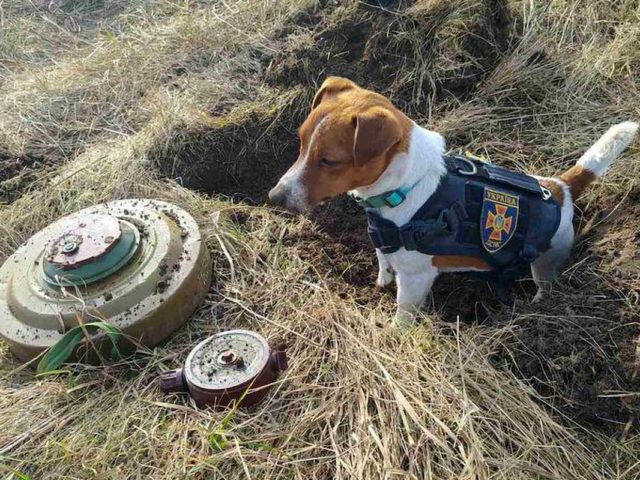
<point>595,161</point>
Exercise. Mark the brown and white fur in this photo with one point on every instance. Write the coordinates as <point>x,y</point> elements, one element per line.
<point>355,140</point>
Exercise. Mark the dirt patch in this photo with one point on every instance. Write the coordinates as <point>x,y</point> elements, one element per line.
<point>240,155</point>
<point>17,174</point>
<point>371,42</point>
<point>574,349</point>
<point>340,251</point>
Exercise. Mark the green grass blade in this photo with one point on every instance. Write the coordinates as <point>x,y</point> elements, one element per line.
<point>62,350</point>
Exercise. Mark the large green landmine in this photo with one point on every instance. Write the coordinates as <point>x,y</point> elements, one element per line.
<point>138,264</point>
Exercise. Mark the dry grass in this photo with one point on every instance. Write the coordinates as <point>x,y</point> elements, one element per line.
<point>360,401</point>
<point>155,83</point>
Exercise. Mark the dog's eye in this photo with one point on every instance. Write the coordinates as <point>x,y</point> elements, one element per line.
<point>327,163</point>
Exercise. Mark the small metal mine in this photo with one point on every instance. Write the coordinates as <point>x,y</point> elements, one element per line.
<point>233,366</point>
<point>139,264</point>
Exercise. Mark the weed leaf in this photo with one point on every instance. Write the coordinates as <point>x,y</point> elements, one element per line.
<point>62,350</point>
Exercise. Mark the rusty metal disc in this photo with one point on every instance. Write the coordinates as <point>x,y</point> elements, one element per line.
<point>84,239</point>
<point>149,286</point>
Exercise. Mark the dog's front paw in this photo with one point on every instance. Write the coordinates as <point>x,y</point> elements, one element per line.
<point>539,296</point>
<point>404,319</point>
<point>385,277</point>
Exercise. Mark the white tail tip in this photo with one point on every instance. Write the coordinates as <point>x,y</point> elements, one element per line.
<point>602,154</point>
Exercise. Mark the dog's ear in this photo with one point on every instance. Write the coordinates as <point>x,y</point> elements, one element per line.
<point>377,130</point>
<point>331,87</point>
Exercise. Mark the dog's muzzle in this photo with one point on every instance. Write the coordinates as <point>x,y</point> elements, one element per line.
<point>278,196</point>
<point>284,197</point>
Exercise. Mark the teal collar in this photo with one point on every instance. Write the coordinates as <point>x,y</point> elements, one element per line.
<point>390,199</point>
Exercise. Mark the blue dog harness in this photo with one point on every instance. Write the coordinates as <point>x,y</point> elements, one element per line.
<point>478,210</point>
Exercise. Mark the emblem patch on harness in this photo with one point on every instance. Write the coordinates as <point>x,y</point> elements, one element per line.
<point>499,219</point>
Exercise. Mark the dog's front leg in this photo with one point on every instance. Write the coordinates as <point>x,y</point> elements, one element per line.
<point>412,292</point>
<point>385,271</point>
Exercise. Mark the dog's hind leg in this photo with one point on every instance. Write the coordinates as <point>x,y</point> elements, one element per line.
<point>593,164</point>
<point>546,266</point>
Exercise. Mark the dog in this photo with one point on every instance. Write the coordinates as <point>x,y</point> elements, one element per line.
<point>355,140</point>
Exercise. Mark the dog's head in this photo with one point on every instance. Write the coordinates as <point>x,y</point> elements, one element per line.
<point>348,140</point>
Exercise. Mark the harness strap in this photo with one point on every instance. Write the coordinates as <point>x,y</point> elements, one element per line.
<point>411,235</point>
<point>477,168</point>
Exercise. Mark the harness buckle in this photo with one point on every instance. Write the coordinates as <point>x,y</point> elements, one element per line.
<point>418,232</point>
<point>472,169</point>
<point>546,193</point>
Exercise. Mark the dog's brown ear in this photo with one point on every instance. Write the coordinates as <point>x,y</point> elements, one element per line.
<point>331,87</point>
<point>377,130</point>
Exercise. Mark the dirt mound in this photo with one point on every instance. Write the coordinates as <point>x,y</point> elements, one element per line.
<point>412,51</point>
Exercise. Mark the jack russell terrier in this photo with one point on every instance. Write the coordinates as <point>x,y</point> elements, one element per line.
<point>431,213</point>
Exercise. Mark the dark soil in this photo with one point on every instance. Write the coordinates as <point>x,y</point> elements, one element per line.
<point>238,160</point>
<point>340,251</point>
<point>575,349</point>
<point>17,174</point>
<point>372,41</point>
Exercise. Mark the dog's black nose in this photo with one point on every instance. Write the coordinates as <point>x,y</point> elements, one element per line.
<point>278,196</point>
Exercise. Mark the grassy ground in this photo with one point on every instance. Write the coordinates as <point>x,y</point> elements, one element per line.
<point>178,100</point>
